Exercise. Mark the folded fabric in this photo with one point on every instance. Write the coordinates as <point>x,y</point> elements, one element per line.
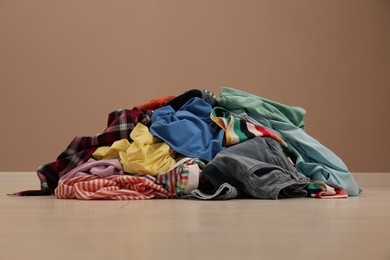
<point>189,130</point>
<point>119,125</point>
<point>320,190</point>
<point>119,187</point>
<point>183,176</point>
<point>102,168</point>
<point>145,155</point>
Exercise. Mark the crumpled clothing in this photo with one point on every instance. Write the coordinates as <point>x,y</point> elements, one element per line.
<point>239,130</point>
<point>257,168</point>
<point>115,187</point>
<point>102,168</point>
<point>145,155</point>
<point>233,99</point>
<point>119,125</point>
<point>183,176</point>
<point>189,130</point>
<point>320,190</point>
<point>313,159</point>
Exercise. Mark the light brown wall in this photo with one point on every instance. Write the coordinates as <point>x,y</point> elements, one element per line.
<point>64,65</point>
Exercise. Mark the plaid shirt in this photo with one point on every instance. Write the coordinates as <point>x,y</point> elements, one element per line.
<point>120,124</point>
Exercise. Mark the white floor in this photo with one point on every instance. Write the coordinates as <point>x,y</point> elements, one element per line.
<point>45,227</point>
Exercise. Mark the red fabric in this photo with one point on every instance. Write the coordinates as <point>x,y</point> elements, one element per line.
<point>155,103</point>
<point>337,194</point>
<point>115,187</point>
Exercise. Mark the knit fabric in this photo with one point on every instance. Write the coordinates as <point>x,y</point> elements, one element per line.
<point>233,99</point>
<point>183,176</point>
<point>122,187</point>
<point>238,130</point>
<point>102,168</point>
<point>189,130</point>
<point>145,155</point>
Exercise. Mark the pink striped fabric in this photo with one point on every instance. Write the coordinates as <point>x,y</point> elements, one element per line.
<point>115,187</point>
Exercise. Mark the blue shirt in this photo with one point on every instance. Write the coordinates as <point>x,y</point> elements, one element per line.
<point>189,130</point>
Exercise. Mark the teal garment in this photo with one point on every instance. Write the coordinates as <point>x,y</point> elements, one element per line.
<point>235,99</point>
<point>314,160</point>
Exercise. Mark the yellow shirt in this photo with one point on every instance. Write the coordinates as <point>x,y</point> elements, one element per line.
<point>145,155</point>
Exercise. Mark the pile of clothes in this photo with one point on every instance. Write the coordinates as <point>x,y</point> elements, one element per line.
<point>198,146</point>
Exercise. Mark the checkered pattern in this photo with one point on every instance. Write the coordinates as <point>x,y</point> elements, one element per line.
<point>119,125</point>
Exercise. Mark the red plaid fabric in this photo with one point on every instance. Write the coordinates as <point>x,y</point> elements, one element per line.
<point>115,187</point>
<point>119,125</point>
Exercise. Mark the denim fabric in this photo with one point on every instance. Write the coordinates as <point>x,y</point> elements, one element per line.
<point>314,160</point>
<point>258,168</point>
<point>224,192</point>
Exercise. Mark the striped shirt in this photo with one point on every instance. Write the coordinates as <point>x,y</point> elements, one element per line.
<point>238,130</point>
<point>115,187</point>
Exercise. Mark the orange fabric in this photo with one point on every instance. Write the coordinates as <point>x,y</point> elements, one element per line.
<point>155,103</point>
